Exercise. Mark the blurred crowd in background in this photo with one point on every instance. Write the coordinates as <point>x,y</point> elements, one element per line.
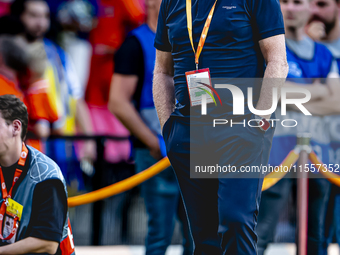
<point>58,57</point>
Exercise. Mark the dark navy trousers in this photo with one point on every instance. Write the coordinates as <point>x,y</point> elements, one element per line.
<point>222,211</point>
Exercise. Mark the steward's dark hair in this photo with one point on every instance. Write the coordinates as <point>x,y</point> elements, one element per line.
<point>12,108</point>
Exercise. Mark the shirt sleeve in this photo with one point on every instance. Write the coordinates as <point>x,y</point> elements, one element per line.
<point>129,58</point>
<point>267,18</point>
<point>162,42</point>
<point>49,211</point>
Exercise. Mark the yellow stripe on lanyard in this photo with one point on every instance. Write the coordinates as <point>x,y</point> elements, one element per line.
<point>204,31</point>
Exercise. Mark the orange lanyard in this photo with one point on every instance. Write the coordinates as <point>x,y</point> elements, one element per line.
<point>6,196</point>
<point>204,31</point>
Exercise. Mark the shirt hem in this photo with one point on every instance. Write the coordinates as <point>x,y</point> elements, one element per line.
<point>271,33</point>
<point>161,47</point>
<point>47,235</point>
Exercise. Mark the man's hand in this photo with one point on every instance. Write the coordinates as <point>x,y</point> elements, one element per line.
<point>89,150</point>
<point>88,154</point>
<point>318,90</point>
<point>316,30</point>
<point>154,148</point>
<point>42,129</point>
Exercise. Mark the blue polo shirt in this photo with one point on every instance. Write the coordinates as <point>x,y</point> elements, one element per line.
<point>231,49</point>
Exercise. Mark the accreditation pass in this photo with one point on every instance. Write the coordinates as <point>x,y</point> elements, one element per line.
<point>13,210</point>
<point>199,83</point>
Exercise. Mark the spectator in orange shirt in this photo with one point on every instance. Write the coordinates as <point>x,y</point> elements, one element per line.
<point>20,76</point>
<point>114,19</point>
<point>26,75</point>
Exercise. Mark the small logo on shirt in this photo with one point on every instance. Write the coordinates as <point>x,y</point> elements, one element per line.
<point>229,7</point>
<point>294,69</point>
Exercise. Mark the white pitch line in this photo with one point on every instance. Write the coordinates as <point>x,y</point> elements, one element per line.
<point>273,249</point>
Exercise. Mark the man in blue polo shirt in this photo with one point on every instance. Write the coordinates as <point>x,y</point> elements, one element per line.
<point>240,39</point>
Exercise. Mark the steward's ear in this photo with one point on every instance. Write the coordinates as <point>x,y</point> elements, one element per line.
<point>17,127</point>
